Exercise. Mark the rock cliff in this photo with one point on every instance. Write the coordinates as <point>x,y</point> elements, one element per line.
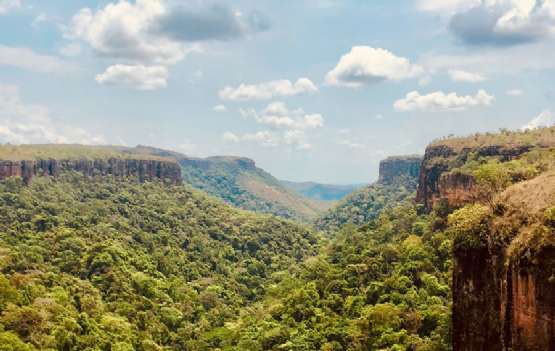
<point>504,276</point>
<point>437,182</point>
<point>143,169</point>
<point>394,167</point>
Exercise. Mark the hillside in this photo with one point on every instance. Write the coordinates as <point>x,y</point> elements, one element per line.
<point>110,263</point>
<point>321,192</point>
<point>240,183</point>
<point>397,182</point>
<point>501,188</point>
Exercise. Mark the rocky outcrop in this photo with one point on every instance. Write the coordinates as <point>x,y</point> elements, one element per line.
<point>437,182</point>
<point>504,288</point>
<point>395,167</point>
<point>142,169</point>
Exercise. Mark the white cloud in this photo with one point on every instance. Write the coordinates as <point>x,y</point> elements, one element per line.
<point>23,123</point>
<point>122,30</point>
<point>544,119</point>
<point>287,127</point>
<point>8,5</point>
<point>439,101</point>
<point>219,108</point>
<point>268,90</point>
<point>157,31</point>
<point>464,76</point>
<point>135,76</point>
<point>27,59</point>
<point>364,65</point>
<point>496,22</point>
<point>514,92</point>
<point>277,115</point>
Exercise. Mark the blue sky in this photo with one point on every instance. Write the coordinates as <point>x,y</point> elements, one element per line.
<point>311,90</point>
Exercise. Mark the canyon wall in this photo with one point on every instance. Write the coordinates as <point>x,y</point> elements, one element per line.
<point>503,300</point>
<point>394,167</point>
<point>143,169</point>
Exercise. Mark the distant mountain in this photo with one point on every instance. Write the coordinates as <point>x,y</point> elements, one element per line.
<point>398,181</point>
<point>239,182</point>
<point>321,192</point>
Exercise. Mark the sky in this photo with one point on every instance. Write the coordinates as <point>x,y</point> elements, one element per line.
<point>318,90</point>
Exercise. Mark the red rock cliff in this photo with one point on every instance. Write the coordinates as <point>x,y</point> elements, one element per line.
<point>143,169</point>
<point>504,288</point>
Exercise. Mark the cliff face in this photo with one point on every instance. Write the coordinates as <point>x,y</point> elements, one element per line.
<point>436,183</point>
<point>504,288</point>
<point>143,169</point>
<point>394,167</point>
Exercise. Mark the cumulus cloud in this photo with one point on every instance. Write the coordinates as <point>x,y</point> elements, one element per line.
<point>219,108</point>
<point>27,59</point>
<point>268,90</point>
<point>365,65</point>
<point>496,22</point>
<point>135,76</point>
<point>514,92</point>
<point>9,5</point>
<point>544,119</point>
<point>464,76</point>
<point>440,101</point>
<point>284,126</point>
<point>277,115</point>
<point>157,31</point>
<point>26,123</point>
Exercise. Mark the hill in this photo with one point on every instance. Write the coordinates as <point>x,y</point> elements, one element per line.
<point>106,262</point>
<point>240,183</point>
<point>321,192</point>
<point>397,182</point>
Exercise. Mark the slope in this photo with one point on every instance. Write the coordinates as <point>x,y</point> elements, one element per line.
<point>109,263</point>
<point>321,192</point>
<point>397,182</point>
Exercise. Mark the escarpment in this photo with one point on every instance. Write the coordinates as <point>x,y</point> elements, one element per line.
<point>441,180</point>
<point>394,167</point>
<point>504,283</point>
<point>143,169</point>
<point>501,188</point>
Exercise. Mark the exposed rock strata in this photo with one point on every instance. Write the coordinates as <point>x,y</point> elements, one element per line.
<point>143,169</point>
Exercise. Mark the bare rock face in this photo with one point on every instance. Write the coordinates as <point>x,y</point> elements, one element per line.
<point>395,167</point>
<point>435,181</point>
<point>504,288</point>
<point>143,169</point>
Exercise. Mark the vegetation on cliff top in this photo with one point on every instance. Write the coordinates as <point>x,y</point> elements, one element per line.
<point>74,152</point>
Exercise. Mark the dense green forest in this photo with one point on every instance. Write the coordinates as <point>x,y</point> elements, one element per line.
<point>367,203</point>
<point>240,183</point>
<point>114,265</point>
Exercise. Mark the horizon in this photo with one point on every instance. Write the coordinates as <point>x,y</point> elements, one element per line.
<point>312,96</point>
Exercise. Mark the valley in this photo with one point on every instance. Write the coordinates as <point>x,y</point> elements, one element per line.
<point>119,248</point>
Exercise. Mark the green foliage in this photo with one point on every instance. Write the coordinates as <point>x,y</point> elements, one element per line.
<point>365,204</point>
<point>104,264</point>
<point>239,183</point>
<point>381,286</point>
<point>470,226</point>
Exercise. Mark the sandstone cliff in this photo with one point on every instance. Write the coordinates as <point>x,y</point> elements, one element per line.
<point>504,273</point>
<point>143,169</point>
<point>437,181</point>
<point>394,167</point>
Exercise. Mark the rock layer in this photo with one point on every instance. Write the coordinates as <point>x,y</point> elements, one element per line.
<point>394,167</point>
<point>143,169</point>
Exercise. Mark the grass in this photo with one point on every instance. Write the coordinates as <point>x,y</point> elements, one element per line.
<point>543,137</point>
<point>73,151</point>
